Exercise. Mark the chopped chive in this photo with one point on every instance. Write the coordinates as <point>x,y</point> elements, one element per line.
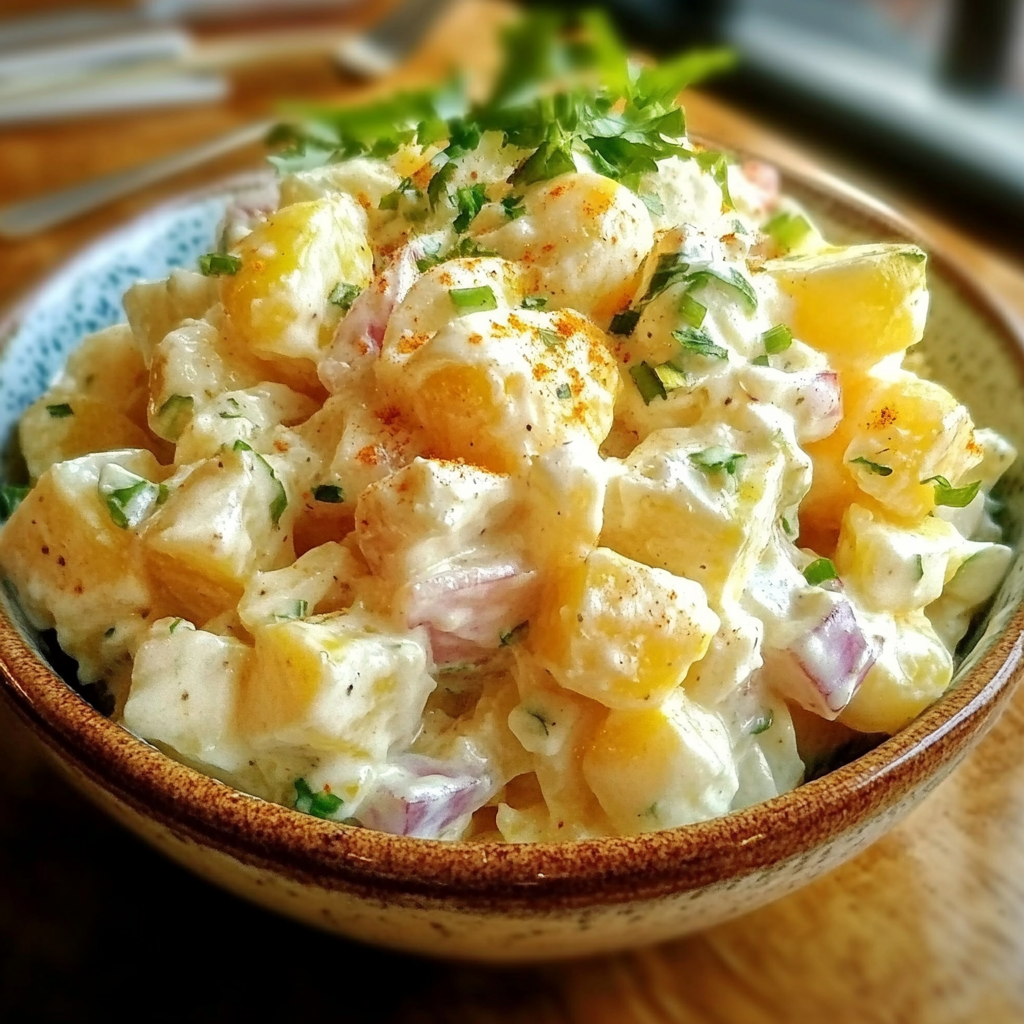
<point>875,467</point>
<point>128,497</point>
<point>320,805</point>
<point>953,497</point>
<point>761,724</point>
<point>717,459</point>
<point>647,382</point>
<point>514,635</point>
<point>343,295</point>
<point>297,611</point>
<point>696,341</point>
<point>788,229</point>
<point>625,322</point>
<point>280,500</point>
<point>692,311</point>
<point>174,415</point>
<point>11,496</point>
<point>216,264</point>
<point>330,494</point>
<point>473,300</point>
<point>777,339</point>
<point>175,624</point>
<point>672,377</point>
<point>919,566</point>
<point>535,302</point>
<point>761,360</point>
<point>821,570</point>
<point>563,391</point>
<point>59,412</point>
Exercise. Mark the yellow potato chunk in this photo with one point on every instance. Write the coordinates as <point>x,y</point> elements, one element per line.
<point>341,684</point>
<point>221,523</point>
<point>859,303</point>
<point>76,570</point>
<point>913,670</point>
<point>620,632</point>
<point>897,432</point>
<point>155,308</point>
<point>660,767</point>
<point>278,303</point>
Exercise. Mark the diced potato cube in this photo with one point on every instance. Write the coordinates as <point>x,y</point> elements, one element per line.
<point>278,304</point>
<point>422,517</point>
<point>913,670</point>
<point>660,767</point>
<point>76,570</point>
<point>620,632</point>
<point>185,686</point>
<point>976,579</point>
<point>155,308</point>
<point>499,388</point>
<point>227,518</point>
<point>339,683</point>
<point>251,415</point>
<point>583,238</point>
<point>190,366</point>
<point>893,568</point>
<point>857,303</point>
<point>700,502</point>
<point>321,581</point>
<point>897,432</point>
<point>365,179</point>
<point>767,759</point>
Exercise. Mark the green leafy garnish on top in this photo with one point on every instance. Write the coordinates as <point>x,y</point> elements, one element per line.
<point>320,805</point>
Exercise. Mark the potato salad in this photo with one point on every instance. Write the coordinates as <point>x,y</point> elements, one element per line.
<point>514,469</point>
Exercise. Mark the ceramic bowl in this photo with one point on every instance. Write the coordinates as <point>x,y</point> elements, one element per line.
<point>512,902</point>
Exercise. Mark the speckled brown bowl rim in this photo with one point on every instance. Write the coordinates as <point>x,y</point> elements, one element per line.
<point>507,877</point>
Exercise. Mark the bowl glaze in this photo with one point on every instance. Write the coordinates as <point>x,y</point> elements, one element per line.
<point>496,902</point>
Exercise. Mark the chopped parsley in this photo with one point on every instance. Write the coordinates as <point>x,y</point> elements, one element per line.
<point>694,340</point>
<point>330,494</point>
<point>625,322</point>
<point>761,724</point>
<point>473,300</point>
<point>320,805</point>
<point>717,459</point>
<point>777,339</point>
<point>514,635</point>
<point>670,269</point>
<point>731,278</point>
<point>174,415</point>
<point>535,302</point>
<point>788,229</point>
<point>11,496</point>
<point>821,570</point>
<point>128,497</point>
<point>217,264</point>
<point>513,206</point>
<point>953,497</point>
<point>551,339</point>
<point>279,502</point>
<point>469,202</point>
<point>343,295</point>
<point>391,200</point>
<point>563,391</point>
<point>59,412</point>
<point>875,467</point>
<point>236,413</point>
<point>465,248</point>
<point>647,382</point>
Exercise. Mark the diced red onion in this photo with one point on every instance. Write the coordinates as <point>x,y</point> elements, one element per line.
<point>474,605</point>
<point>822,670</point>
<point>245,211</point>
<point>765,179</point>
<point>421,797</point>
<point>361,330</point>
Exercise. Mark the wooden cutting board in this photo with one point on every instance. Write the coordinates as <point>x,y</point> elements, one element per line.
<point>927,926</point>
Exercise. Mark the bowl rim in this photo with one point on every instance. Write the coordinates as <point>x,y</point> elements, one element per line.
<point>269,836</point>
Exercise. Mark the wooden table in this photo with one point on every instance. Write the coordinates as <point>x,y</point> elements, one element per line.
<point>927,926</point>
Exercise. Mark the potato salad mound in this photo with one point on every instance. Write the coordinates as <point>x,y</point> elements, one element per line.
<point>512,471</point>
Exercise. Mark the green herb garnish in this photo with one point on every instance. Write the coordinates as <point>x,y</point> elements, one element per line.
<point>919,567</point>
<point>175,624</point>
<point>128,497</point>
<point>761,724</point>
<point>875,467</point>
<point>513,206</point>
<point>788,229</point>
<point>469,202</point>
<point>297,611</point>
<point>777,339</point>
<point>820,571</point>
<point>563,391</point>
<point>343,295</point>
<point>391,200</point>
<point>514,635</point>
<point>320,805</point>
<point>174,415</point>
<point>11,496</point>
<point>473,300</point>
<point>731,278</point>
<point>692,311</point>
<point>59,412</point>
<point>761,360</point>
<point>217,264</point>
<point>330,494</point>
<point>718,460</point>
<point>647,382</point>
<point>625,322</point>
<point>691,339</point>
<point>672,377</point>
<point>953,497</point>
<point>535,302</point>
<point>280,500</point>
